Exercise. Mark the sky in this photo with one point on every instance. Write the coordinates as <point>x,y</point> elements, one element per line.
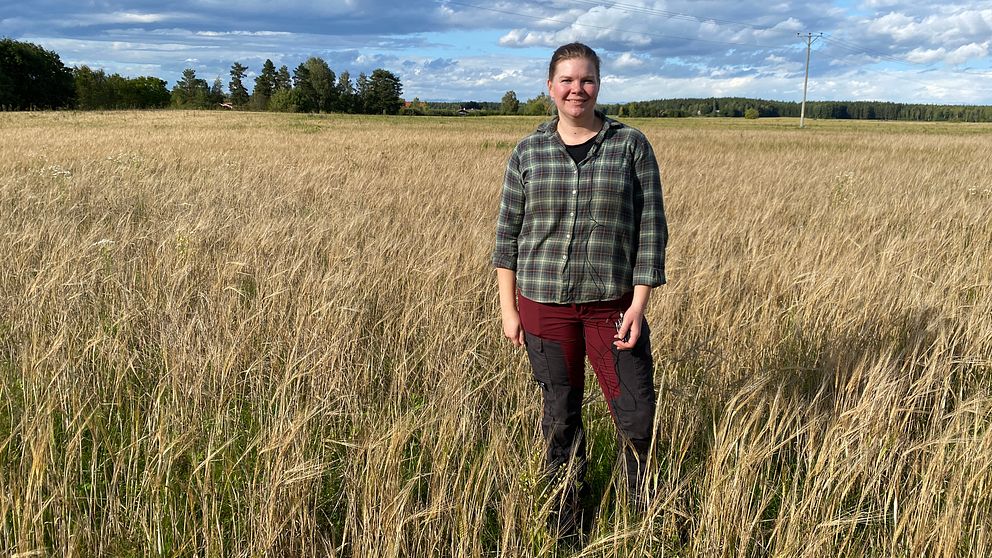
<point>916,51</point>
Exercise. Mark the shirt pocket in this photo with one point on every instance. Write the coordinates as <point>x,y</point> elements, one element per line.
<point>544,188</point>
<point>611,194</point>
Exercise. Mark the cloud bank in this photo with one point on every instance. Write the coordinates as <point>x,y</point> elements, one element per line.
<point>892,50</point>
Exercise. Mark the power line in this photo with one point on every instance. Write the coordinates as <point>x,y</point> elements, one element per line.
<point>630,8</point>
<point>850,47</point>
<point>679,15</point>
<point>606,28</point>
<point>846,45</point>
<point>809,44</point>
<point>902,77</point>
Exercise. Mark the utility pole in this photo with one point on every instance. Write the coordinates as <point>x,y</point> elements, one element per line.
<point>810,39</point>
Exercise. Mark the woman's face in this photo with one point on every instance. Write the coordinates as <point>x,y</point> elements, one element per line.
<point>574,87</point>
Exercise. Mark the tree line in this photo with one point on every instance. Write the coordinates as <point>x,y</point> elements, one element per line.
<point>34,78</point>
<point>861,110</point>
<point>732,107</point>
<point>312,87</point>
<point>538,106</point>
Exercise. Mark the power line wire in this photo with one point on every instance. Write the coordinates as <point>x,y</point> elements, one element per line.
<point>673,15</point>
<point>850,47</point>
<point>846,45</point>
<point>678,15</point>
<point>903,77</point>
<point>923,66</point>
<point>606,28</point>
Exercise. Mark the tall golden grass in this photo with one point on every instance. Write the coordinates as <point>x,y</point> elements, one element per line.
<point>230,334</point>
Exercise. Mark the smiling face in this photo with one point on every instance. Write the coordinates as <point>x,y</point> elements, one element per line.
<point>574,88</point>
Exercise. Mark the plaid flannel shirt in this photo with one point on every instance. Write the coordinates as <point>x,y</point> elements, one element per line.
<point>577,233</point>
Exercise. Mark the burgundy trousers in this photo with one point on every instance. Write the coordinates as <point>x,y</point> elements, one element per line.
<point>558,337</point>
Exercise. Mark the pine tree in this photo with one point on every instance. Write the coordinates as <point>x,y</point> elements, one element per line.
<point>265,85</point>
<point>361,93</point>
<point>216,96</point>
<point>346,93</point>
<point>190,91</point>
<point>239,94</point>
<point>283,81</point>
<point>384,93</point>
<point>306,97</point>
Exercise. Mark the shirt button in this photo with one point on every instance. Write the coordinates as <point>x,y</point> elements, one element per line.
<point>564,257</point>
<point>575,191</point>
<point>572,214</point>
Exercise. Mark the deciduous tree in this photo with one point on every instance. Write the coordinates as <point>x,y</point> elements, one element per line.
<point>538,106</point>
<point>92,88</point>
<point>509,104</point>
<point>32,77</point>
<point>322,79</point>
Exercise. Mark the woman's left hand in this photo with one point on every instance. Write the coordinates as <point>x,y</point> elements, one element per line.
<point>632,320</point>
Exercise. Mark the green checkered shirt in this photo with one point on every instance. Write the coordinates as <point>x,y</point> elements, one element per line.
<point>585,232</point>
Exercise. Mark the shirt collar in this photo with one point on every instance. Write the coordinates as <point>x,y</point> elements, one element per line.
<point>550,128</point>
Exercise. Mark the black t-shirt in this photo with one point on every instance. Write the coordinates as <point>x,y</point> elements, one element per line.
<point>579,152</point>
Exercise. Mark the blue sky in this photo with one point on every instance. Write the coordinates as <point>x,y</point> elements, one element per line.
<point>891,50</point>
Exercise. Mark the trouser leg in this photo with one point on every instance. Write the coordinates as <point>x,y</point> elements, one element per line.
<point>555,350</point>
<point>627,381</point>
<point>633,410</point>
<point>562,392</point>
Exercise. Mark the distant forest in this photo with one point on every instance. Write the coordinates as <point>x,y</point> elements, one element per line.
<point>736,107</point>
<point>863,110</point>
<point>34,78</point>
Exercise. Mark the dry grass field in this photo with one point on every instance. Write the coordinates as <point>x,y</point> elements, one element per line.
<point>233,334</point>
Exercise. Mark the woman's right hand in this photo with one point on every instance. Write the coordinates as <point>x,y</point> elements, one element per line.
<point>512,329</point>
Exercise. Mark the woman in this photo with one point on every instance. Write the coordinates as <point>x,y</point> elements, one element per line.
<point>580,243</point>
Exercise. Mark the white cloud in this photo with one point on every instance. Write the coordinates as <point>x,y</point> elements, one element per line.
<point>963,53</point>
<point>627,60</point>
<point>926,56</point>
<point>899,27</point>
<point>127,18</point>
<point>244,34</point>
<point>948,26</point>
<point>876,4</point>
<point>956,56</point>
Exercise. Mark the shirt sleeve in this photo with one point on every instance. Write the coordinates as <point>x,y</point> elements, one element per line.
<point>649,264</point>
<point>511,215</point>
